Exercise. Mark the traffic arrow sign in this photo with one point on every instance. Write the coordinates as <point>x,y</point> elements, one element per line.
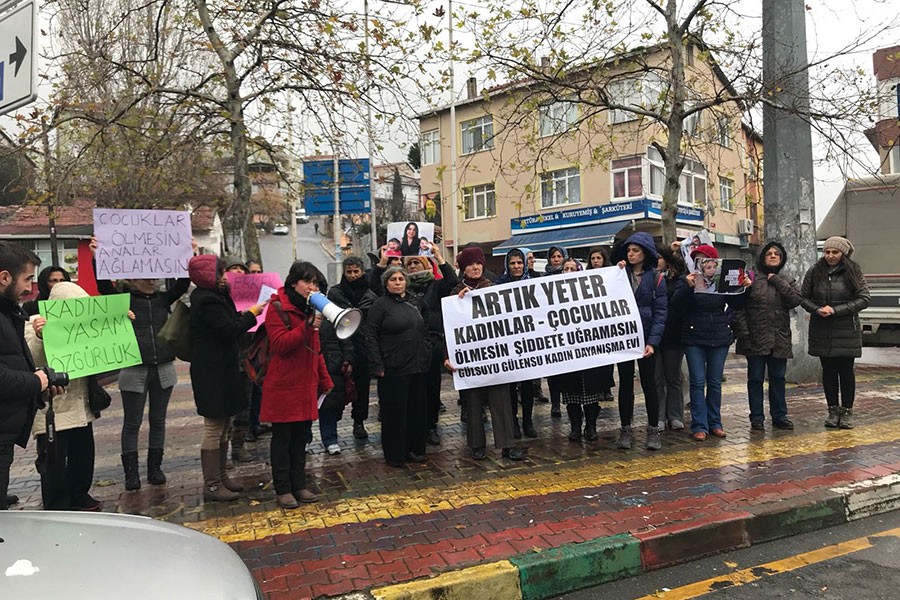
<point>18,56</point>
<point>17,40</point>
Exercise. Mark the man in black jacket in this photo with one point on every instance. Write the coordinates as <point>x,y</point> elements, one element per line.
<point>20,384</point>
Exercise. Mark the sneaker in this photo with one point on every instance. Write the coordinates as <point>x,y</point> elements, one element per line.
<point>513,453</point>
<point>758,426</point>
<point>785,424</point>
<point>834,417</point>
<point>625,439</point>
<point>333,449</point>
<point>846,418</point>
<point>676,425</point>
<point>654,441</point>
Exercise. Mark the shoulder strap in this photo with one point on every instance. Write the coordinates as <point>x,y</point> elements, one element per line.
<point>284,318</point>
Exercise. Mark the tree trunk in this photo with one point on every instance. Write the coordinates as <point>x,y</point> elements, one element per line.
<point>672,157</point>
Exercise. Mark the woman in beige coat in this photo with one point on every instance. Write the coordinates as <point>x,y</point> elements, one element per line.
<point>67,465</point>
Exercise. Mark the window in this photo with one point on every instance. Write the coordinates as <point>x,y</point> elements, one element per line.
<point>723,133</point>
<point>68,254</point>
<point>430,147</point>
<point>894,161</point>
<point>477,134</point>
<point>557,118</point>
<point>479,201</point>
<point>692,121</point>
<point>726,194</point>
<point>627,177</point>
<point>693,179</point>
<point>647,91</point>
<point>693,184</point>
<point>560,187</point>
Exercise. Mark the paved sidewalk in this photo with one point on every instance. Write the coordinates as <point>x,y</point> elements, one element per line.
<point>572,515</point>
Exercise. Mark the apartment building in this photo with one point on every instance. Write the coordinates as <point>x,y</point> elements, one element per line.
<point>537,168</point>
<point>885,135</point>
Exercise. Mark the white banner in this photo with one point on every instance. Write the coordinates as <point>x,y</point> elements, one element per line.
<point>540,327</point>
<point>142,244</point>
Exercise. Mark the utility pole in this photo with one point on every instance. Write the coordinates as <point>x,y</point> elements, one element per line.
<point>50,194</point>
<point>790,212</point>
<point>451,202</point>
<point>371,141</point>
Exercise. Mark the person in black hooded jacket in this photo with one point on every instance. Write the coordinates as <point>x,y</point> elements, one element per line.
<point>48,277</point>
<point>763,330</point>
<point>354,292</point>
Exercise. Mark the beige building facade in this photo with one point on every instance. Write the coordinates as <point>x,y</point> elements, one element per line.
<point>536,168</point>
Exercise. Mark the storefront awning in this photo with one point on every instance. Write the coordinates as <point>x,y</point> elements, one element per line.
<point>571,237</point>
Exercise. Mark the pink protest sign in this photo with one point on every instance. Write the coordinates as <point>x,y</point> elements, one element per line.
<point>245,290</point>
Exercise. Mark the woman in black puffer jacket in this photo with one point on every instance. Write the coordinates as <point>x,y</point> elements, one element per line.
<point>396,337</point>
<point>154,378</point>
<point>834,292</point>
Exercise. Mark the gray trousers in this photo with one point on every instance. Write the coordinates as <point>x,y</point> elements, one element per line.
<point>668,384</point>
<point>497,399</point>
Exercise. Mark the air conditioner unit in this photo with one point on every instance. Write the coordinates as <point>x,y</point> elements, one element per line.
<point>745,227</point>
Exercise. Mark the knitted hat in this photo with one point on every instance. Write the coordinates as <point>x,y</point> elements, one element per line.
<point>423,260</point>
<point>234,261</point>
<point>468,257</point>
<point>705,250</point>
<point>390,271</point>
<point>843,245</point>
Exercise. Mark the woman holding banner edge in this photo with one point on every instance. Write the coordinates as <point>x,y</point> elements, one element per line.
<point>154,378</point>
<point>639,259</point>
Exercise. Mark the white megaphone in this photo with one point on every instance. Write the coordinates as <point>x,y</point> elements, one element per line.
<point>345,320</point>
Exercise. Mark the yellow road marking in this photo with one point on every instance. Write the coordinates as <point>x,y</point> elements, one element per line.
<point>570,477</point>
<point>751,574</point>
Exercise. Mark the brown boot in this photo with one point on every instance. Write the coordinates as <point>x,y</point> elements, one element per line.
<point>213,489</point>
<point>230,484</point>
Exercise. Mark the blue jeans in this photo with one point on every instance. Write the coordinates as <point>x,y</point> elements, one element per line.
<point>756,374</point>
<point>328,420</point>
<point>706,365</point>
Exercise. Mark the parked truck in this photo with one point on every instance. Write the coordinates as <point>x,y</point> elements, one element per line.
<point>867,212</point>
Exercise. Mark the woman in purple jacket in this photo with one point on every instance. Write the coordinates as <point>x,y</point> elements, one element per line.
<point>638,257</point>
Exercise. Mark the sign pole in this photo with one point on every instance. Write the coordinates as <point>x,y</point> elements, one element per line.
<point>337,208</point>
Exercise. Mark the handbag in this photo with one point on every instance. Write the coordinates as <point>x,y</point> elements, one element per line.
<point>176,333</point>
<point>256,362</point>
<point>98,398</point>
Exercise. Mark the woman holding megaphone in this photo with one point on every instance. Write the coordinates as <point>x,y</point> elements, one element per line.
<point>295,379</point>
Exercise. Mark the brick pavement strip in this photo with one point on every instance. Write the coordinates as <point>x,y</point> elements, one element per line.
<point>570,516</point>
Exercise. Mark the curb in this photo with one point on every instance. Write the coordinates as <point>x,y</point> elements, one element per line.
<point>535,576</point>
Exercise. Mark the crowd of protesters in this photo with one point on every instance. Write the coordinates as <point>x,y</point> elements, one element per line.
<point>314,374</point>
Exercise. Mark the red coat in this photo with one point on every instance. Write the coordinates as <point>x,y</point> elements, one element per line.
<point>296,375</point>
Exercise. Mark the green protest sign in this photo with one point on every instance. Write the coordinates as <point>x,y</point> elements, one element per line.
<point>86,336</point>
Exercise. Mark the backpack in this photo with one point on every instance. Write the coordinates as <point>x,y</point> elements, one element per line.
<point>176,333</point>
<point>256,362</point>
